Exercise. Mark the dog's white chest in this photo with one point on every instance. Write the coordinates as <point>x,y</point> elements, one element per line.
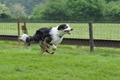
<point>55,34</point>
<point>57,40</point>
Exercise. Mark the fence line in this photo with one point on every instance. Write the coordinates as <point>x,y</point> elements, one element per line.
<point>74,41</point>
<point>80,35</point>
<point>81,30</point>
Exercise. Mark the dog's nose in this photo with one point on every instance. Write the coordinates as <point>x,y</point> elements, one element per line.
<point>71,29</point>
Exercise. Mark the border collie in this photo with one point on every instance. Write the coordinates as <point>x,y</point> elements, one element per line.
<point>47,37</point>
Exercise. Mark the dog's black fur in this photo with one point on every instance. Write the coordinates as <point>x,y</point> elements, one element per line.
<point>40,35</point>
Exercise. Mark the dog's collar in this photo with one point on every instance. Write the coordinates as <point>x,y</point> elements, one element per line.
<point>60,36</point>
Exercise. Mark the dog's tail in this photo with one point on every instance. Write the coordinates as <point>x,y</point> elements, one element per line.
<point>27,39</point>
<point>23,37</point>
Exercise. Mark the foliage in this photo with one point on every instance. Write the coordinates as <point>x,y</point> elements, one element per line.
<point>29,4</point>
<point>86,9</point>
<point>4,11</point>
<point>52,10</point>
<point>66,10</point>
<point>110,0</point>
<point>18,11</point>
<point>37,11</point>
<point>75,10</point>
<point>112,11</point>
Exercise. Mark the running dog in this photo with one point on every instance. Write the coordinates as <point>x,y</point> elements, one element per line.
<point>47,37</point>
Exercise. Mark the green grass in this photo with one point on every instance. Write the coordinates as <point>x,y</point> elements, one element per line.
<point>68,63</point>
<point>81,30</point>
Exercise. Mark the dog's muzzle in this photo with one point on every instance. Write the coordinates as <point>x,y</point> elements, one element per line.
<point>68,31</point>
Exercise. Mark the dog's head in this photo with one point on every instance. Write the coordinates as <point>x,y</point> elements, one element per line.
<point>65,28</point>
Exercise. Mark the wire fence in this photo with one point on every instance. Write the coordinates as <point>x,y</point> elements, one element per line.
<point>108,31</point>
<point>104,34</point>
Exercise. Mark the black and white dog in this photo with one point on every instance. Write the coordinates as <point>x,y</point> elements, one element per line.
<point>51,36</point>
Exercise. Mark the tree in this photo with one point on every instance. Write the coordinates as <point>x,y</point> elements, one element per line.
<point>4,11</point>
<point>18,10</point>
<point>37,11</point>
<point>52,10</point>
<point>86,9</point>
<point>112,11</point>
<point>110,0</point>
<point>28,4</point>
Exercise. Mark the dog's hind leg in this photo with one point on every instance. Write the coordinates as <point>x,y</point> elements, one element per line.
<point>42,49</point>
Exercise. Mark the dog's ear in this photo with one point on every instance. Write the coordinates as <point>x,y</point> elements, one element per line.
<point>61,27</point>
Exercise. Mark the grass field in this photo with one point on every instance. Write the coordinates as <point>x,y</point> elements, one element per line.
<point>68,63</point>
<point>81,30</point>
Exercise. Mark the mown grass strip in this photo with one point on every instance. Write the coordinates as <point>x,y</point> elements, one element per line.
<point>68,63</point>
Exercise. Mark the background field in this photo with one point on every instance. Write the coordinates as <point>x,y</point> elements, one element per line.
<point>81,30</point>
<point>68,63</point>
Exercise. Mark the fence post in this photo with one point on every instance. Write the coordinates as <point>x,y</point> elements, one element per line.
<point>24,29</point>
<point>91,37</point>
<point>24,21</point>
<point>18,20</point>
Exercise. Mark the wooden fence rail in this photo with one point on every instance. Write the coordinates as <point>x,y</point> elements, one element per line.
<point>75,41</point>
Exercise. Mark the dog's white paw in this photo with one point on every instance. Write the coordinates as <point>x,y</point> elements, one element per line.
<point>53,47</point>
